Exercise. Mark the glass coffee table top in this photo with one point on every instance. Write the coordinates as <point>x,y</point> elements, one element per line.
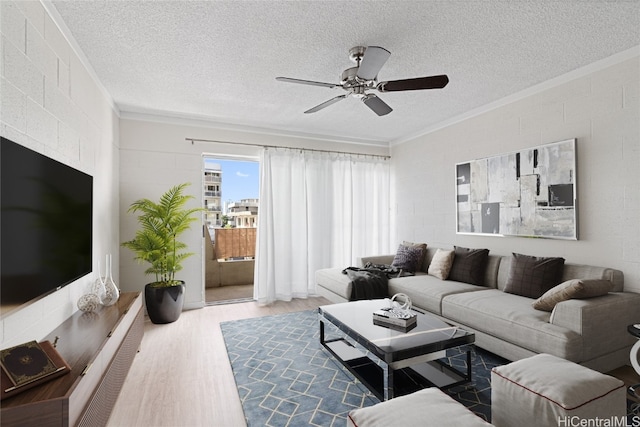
<point>430,334</point>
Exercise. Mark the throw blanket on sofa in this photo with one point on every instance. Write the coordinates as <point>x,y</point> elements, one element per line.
<point>367,283</point>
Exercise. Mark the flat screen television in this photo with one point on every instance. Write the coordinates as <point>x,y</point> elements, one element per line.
<point>46,211</point>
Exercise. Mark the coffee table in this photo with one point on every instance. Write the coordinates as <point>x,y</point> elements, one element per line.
<point>390,362</point>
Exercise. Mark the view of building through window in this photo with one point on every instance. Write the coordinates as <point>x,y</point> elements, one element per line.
<point>231,190</point>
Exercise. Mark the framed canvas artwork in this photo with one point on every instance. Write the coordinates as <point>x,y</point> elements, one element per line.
<point>529,193</point>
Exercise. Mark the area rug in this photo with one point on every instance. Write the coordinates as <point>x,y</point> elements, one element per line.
<point>286,378</point>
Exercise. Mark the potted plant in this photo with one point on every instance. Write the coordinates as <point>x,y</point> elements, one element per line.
<point>156,242</point>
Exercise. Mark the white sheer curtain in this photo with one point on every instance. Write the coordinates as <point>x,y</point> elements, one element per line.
<point>317,210</point>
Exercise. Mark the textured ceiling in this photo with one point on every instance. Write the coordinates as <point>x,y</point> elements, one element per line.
<point>218,60</point>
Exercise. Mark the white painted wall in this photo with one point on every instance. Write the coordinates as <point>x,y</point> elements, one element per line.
<point>155,156</point>
<point>53,105</point>
<point>600,108</point>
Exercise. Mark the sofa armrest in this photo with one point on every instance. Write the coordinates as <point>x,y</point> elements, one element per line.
<point>377,259</point>
<point>602,321</point>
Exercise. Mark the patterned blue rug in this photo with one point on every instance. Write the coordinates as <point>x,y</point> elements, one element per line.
<point>286,378</point>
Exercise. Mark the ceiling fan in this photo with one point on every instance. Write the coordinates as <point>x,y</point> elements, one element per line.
<point>357,80</point>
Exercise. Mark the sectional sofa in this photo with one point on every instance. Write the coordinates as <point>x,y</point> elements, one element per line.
<point>588,331</point>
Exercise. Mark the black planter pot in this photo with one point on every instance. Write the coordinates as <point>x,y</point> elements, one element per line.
<point>164,304</point>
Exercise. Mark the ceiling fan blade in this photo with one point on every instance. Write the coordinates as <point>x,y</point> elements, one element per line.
<point>372,61</point>
<point>306,82</point>
<point>432,82</point>
<point>377,105</point>
<point>326,104</point>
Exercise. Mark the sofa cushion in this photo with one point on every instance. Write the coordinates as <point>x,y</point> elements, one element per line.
<point>469,265</point>
<point>511,318</point>
<point>571,289</point>
<point>426,292</point>
<point>531,276</point>
<point>408,258</point>
<point>441,264</point>
<point>335,281</point>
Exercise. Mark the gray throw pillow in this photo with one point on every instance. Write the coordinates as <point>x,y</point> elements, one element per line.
<point>469,265</point>
<point>531,276</point>
<point>572,289</point>
<point>408,258</point>
<point>424,252</point>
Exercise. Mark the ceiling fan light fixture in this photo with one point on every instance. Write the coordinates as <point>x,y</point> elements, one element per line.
<point>364,76</point>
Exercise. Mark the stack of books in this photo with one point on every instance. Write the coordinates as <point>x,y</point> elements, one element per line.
<point>393,318</point>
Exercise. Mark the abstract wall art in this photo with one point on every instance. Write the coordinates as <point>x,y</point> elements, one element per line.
<point>529,193</point>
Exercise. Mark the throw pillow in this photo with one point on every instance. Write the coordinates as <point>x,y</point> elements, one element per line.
<point>469,265</point>
<point>408,258</point>
<point>571,289</point>
<point>531,276</point>
<point>441,264</point>
<point>424,252</point>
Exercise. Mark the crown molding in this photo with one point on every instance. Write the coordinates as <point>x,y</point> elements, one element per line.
<point>140,114</point>
<point>618,58</point>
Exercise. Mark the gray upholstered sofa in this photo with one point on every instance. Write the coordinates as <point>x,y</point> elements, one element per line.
<point>591,332</point>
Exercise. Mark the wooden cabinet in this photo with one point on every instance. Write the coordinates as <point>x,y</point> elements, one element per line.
<point>100,348</point>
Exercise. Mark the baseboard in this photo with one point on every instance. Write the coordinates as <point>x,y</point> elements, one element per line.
<point>193,305</point>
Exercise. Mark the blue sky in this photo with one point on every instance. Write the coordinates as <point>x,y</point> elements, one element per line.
<point>240,179</point>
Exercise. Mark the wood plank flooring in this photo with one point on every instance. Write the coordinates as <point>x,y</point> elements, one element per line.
<point>182,376</point>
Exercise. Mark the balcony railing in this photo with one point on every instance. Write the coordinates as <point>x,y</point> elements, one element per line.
<point>212,193</point>
<point>235,243</point>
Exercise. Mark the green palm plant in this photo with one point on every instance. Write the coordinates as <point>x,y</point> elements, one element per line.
<point>156,242</point>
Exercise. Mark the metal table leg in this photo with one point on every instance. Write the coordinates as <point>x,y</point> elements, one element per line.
<point>387,381</point>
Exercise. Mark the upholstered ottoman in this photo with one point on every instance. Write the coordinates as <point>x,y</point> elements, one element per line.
<point>425,408</point>
<point>544,390</point>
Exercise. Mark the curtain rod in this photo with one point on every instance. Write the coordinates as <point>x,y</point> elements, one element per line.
<point>285,147</point>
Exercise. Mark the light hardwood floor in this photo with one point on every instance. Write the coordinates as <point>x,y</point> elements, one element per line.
<point>182,375</point>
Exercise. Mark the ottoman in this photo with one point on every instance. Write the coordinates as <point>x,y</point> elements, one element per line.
<point>545,390</point>
<point>425,408</point>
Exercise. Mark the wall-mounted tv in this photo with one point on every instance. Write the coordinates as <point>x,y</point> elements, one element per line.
<point>46,211</point>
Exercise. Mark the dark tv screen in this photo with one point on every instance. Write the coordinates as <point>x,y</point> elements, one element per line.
<point>46,225</point>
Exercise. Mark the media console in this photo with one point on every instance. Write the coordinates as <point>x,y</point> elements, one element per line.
<point>100,348</point>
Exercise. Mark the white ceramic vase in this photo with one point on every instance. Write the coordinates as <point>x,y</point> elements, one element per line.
<point>105,288</point>
<point>111,292</point>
